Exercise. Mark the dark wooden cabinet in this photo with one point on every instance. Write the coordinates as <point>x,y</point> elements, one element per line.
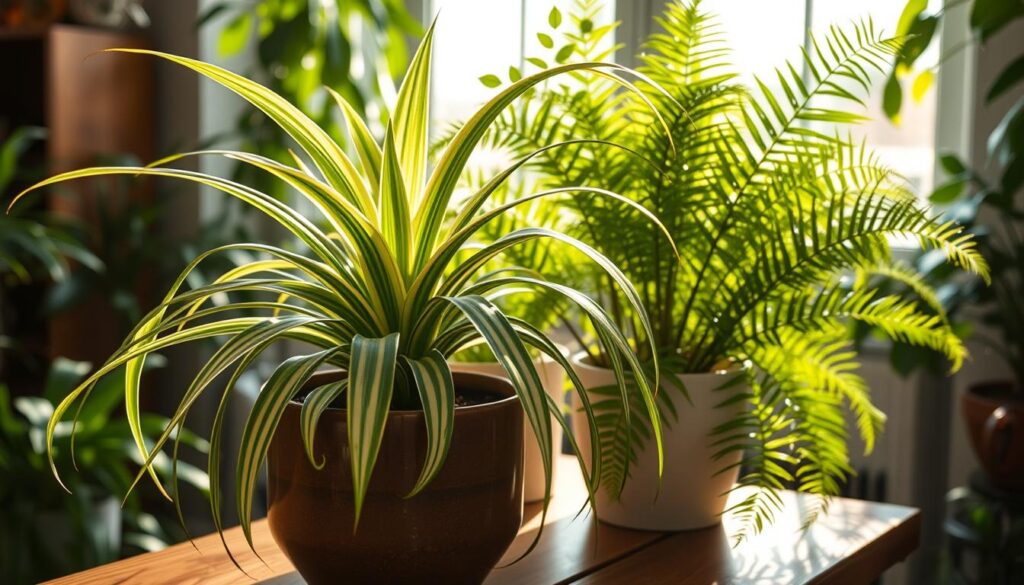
<point>94,105</point>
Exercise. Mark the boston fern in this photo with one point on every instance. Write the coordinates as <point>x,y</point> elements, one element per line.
<point>377,292</point>
<point>773,209</point>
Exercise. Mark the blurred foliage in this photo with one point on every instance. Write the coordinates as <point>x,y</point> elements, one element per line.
<point>983,200</point>
<point>355,47</point>
<point>32,244</point>
<point>45,532</point>
<point>923,28</point>
<point>985,537</point>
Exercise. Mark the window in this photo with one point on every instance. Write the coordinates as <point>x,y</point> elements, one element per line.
<point>475,38</point>
<point>909,147</point>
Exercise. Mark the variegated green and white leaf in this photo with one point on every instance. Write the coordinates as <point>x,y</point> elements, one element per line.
<point>371,376</point>
<point>411,115</point>
<point>437,394</point>
<point>259,428</point>
<point>326,154</point>
<point>394,205</point>
<point>313,407</point>
<point>510,352</point>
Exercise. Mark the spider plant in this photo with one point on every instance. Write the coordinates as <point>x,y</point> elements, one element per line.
<point>544,311</point>
<point>771,205</point>
<point>377,292</point>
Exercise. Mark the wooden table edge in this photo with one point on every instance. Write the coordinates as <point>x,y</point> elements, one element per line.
<point>906,535</point>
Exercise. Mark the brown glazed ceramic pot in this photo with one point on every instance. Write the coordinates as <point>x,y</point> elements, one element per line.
<point>454,531</point>
<point>994,415</point>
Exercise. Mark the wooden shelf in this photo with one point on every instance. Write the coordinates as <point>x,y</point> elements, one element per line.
<point>23,33</point>
<point>854,543</point>
<point>91,108</point>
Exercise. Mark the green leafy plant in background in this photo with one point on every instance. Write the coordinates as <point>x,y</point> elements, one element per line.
<point>46,534</point>
<point>378,292</point>
<point>31,246</point>
<point>771,207</point>
<point>304,47</point>
<point>983,200</point>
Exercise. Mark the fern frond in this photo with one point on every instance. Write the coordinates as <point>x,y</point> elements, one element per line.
<point>906,275</point>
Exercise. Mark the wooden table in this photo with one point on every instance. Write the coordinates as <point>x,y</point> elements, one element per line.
<point>854,543</point>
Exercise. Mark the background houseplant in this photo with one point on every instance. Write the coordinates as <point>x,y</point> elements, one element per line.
<point>34,248</point>
<point>41,256</point>
<point>300,49</point>
<point>986,201</point>
<point>377,293</point>
<point>46,534</point>
<point>770,206</point>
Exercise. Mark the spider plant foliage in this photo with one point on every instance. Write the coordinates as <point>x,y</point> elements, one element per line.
<point>771,204</point>
<point>376,292</point>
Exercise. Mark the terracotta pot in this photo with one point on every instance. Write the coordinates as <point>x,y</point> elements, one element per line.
<point>454,531</point>
<point>693,493</point>
<point>994,415</point>
<point>553,377</point>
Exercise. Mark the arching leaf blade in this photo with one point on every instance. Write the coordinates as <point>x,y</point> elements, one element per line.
<point>371,375</point>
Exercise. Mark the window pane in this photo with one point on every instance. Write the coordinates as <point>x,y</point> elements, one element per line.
<point>909,148</point>
<point>761,35</point>
<point>472,38</point>
<point>476,37</point>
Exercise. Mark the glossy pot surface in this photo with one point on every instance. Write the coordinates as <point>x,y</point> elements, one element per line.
<point>994,415</point>
<point>454,531</point>
<point>553,378</point>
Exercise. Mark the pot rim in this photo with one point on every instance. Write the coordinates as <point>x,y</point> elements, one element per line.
<point>504,387</point>
<point>579,357</point>
<point>997,392</point>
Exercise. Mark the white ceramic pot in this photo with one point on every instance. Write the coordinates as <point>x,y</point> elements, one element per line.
<point>692,494</point>
<point>553,378</point>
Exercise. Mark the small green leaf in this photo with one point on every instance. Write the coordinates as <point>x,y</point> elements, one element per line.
<point>918,38</point>
<point>545,40</point>
<point>586,25</point>
<point>490,80</point>
<point>513,74</point>
<point>989,16</point>
<point>1008,78</point>
<point>892,99</point>
<point>922,83</point>
<point>951,164</point>
<point>541,63</point>
<point>555,17</point>
<point>911,11</point>
<point>947,193</point>
<point>1013,176</point>
<point>235,35</point>
<point>564,53</point>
